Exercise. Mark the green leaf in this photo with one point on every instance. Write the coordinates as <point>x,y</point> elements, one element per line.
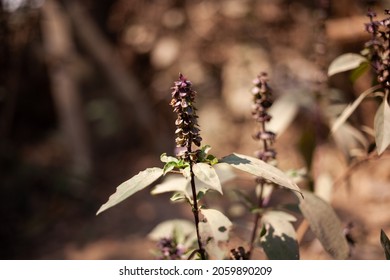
<point>206,149</point>
<point>279,241</point>
<point>172,162</point>
<point>325,224</point>
<point>385,244</point>
<point>200,195</point>
<point>164,158</point>
<point>359,71</point>
<point>215,229</point>
<point>169,166</point>
<point>207,174</point>
<point>382,126</point>
<point>178,197</point>
<point>262,169</point>
<point>131,186</point>
<point>205,157</point>
<point>351,108</point>
<point>345,62</point>
<point>211,159</point>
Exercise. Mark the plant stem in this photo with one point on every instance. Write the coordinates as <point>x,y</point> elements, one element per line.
<point>259,200</point>
<point>257,220</point>
<point>195,207</point>
<point>195,211</point>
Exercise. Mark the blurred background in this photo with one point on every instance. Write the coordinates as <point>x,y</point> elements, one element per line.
<point>84,105</point>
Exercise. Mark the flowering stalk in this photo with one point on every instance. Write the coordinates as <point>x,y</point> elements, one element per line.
<point>187,135</point>
<point>378,48</point>
<point>262,101</point>
<point>170,249</point>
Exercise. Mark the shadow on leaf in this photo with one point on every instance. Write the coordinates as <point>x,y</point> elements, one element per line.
<point>279,247</point>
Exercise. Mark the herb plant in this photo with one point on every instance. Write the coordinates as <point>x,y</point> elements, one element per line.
<point>374,57</point>
<point>190,174</point>
<point>193,172</point>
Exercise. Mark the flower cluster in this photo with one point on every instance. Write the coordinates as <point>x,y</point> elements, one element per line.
<point>239,254</point>
<point>187,128</point>
<point>262,101</point>
<point>378,48</point>
<point>170,250</point>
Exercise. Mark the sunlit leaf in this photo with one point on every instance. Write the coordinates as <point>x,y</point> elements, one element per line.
<point>325,224</point>
<point>351,108</point>
<point>262,169</point>
<point>382,126</point>
<point>178,197</point>
<point>215,229</point>
<point>225,172</point>
<point>171,183</point>
<point>165,158</point>
<point>385,244</point>
<point>131,186</point>
<point>279,239</point>
<point>345,62</point>
<point>207,174</point>
<point>166,229</point>
<point>178,183</point>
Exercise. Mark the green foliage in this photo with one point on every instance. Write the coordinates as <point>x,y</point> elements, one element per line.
<point>346,62</point>
<point>204,156</point>
<point>172,163</point>
<point>359,71</point>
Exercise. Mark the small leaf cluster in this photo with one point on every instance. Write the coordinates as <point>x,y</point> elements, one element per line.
<point>202,155</point>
